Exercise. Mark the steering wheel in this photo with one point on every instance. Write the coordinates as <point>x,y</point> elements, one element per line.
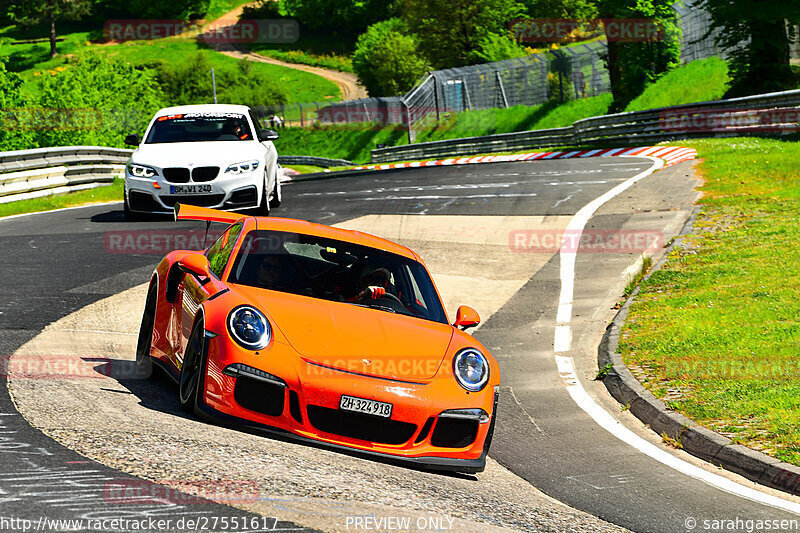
<point>387,295</point>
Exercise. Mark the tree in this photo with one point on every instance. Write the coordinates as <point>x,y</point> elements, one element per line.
<point>756,35</point>
<point>566,9</point>
<point>387,60</point>
<point>350,17</point>
<point>633,65</point>
<point>147,9</point>
<point>450,32</point>
<point>32,12</point>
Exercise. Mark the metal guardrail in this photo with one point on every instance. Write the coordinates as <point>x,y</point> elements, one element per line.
<point>773,113</point>
<point>26,174</point>
<point>323,162</point>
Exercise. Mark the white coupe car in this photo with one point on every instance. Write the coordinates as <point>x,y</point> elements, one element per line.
<point>213,155</point>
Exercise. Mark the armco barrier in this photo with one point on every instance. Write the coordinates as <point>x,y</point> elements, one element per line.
<point>26,174</point>
<point>773,113</point>
<point>323,162</point>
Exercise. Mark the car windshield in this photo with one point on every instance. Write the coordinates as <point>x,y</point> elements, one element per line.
<point>335,270</point>
<point>195,127</point>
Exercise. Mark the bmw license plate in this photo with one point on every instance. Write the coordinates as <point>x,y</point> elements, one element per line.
<point>361,405</point>
<point>189,189</point>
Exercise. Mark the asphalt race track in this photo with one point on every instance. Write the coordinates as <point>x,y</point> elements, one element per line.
<point>464,221</point>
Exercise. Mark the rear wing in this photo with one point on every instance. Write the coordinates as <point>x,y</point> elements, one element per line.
<point>191,212</point>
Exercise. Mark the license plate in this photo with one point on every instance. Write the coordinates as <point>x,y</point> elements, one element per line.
<point>189,189</point>
<point>361,405</point>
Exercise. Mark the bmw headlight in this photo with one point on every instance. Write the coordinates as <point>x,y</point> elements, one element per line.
<point>242,168</point>
<point>471,369</point>
<point>141,171</point>
<point>249,327</point>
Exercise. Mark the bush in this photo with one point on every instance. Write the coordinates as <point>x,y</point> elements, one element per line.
<point>496,47</point>
<point>190,82</point>
<point>12,136</point>
<point>113,97</point>
<point>387,60</point>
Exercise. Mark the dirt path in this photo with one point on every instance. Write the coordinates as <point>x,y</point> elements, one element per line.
<point>346,81</point>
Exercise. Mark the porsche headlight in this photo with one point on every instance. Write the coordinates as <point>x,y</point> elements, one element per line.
<point>242,168</point>
<point>249,327</point>
<point>141,171</point>
<point>471,369</point>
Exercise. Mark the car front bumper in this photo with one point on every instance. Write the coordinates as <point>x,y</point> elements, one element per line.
<point>155,195</point>
<point>300,399</point>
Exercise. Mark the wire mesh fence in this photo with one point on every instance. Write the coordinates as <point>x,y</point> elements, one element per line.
<point>567,73</point>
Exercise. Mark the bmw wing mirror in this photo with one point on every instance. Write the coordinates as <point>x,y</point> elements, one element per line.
<point>132,140</point>
<point>466,317</point>
<point>269,135</point>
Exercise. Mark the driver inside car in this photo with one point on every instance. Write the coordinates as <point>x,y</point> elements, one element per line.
<point>373,284</point>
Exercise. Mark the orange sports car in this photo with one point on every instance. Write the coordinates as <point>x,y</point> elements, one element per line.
<point>322,334</point>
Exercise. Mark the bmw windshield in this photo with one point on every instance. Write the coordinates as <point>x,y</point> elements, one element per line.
<point>335,270</point>
<point>198,127</point>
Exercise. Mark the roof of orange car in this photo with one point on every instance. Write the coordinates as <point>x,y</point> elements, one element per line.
<point>190,212</point>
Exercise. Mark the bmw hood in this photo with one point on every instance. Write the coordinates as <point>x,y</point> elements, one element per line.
<point>358,339</point>
<point>198,154</point>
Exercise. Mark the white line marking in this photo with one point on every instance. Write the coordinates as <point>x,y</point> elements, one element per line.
<point>563,339</point>
<point>443,197</point>
<point>575,227</point>
<point>585,402</point>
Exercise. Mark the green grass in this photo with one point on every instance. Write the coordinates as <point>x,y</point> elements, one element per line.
<point>32,61</point>
<point>716,331</point>
<point>329,61</point>
<point>337,142</point>
<point>305,169</point>
<point>350,142</point>
<point>698,81</point>
<point>47,203</point>
<point>217,8</point>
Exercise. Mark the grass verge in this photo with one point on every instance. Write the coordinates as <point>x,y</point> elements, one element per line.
<point>715,332</point>
<point>71,199</point>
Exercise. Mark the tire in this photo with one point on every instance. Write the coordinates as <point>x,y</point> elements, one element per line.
<point>144,362</point>
<point>277,194</point>
<point>132,216</point>
<point>193,370</point>
<point>264,209</point>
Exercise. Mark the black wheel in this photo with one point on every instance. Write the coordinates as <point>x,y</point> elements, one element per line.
<point>193,370</point>
<point>277,194</point>
<point>131,216</point>
<point>144,363</point>
<point>264,209</point>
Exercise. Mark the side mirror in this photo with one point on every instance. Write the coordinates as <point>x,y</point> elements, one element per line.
<point>466,317</point>
<point>269,135</point>
<point>132,140</point>
<point>196,264</point>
